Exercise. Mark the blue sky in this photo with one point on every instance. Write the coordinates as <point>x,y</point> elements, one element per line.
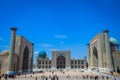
<point>59,24</point>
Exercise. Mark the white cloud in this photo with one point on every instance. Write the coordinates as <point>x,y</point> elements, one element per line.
<point>54,49</point>
<point>61,36</point>
<point>4,46</point>
<point>36,52</point>
<point>46,45</point>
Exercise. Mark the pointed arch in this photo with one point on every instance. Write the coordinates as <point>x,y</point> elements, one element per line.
<point>95,57</point>
<point>25,60</point>
<point>61,62</point>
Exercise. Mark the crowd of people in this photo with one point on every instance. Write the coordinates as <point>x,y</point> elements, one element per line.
<point>6,76</point>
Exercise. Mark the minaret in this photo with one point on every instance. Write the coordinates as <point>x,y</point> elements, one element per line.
<point>88,48</point>
<point>12,49</point>
<point>32,57</point>
<point>109,61</point>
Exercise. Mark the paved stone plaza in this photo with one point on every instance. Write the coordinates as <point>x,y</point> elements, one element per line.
<point>66,75</point>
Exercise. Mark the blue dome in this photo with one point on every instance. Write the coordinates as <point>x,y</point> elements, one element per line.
<point>42,54</point>
<point>113,41</point>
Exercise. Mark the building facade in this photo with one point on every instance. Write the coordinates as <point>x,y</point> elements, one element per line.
<point>103,53</point>
<point>60,60</point>
<point>19,58</point>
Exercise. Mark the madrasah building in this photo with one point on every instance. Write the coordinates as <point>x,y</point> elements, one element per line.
<point>103,53</point>
<point>19,58</point>
<point>103,56</point>
<point>61,60</point>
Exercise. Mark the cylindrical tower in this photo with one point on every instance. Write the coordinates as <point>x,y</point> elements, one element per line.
<point>12,49</point>
<point>88,49</point>
<point>32,57</point>
<point>109,60</point>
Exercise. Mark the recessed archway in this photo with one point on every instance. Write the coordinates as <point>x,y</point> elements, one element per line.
<point>95,57</point>
<point>61,62</point>
<point>25,60</point>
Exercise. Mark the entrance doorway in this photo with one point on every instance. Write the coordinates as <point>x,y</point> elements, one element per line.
<point>95,57</point>
<point>25,60</point>
<point>61,62</point>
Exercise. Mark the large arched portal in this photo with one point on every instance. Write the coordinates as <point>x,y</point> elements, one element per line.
<point>61,62</point>
<point>95,57</point>
<point>25,60</point>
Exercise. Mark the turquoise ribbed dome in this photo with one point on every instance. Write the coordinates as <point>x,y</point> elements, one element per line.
<point>42,54</point>
<point>113,41</point>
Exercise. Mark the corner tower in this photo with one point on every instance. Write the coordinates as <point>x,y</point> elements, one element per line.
<point>12,49</point>
<point>109,60</point>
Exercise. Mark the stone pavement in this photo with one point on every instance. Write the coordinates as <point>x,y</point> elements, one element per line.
<point>64,75</point>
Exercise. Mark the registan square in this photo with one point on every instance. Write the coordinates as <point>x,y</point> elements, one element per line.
<point>60,40</point>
